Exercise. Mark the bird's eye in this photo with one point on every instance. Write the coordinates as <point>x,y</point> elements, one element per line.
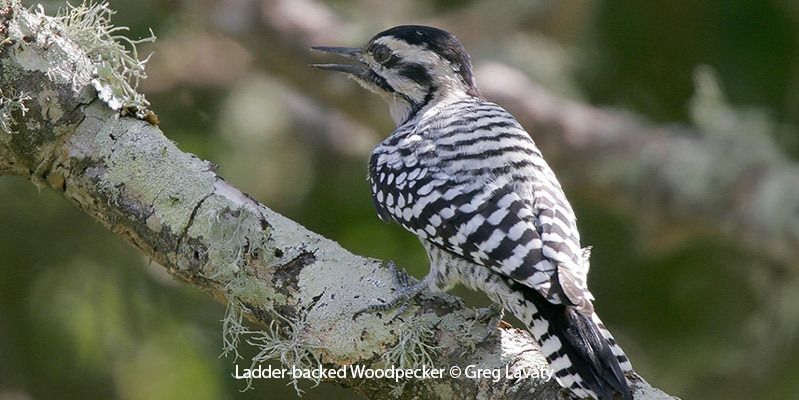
<point>381,54</point>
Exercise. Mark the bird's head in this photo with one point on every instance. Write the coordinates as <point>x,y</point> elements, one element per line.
<point>410,66</point>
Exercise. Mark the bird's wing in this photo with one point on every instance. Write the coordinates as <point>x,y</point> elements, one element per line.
<point>492,202</point>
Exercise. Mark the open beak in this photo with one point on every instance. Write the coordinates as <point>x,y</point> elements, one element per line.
<point>357,69</point>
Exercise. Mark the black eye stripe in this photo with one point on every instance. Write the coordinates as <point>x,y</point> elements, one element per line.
<point>414,71</point>
<point>440,42</point>
<point>392,61</point>
<point>417,73</point>
<point>380,82</point>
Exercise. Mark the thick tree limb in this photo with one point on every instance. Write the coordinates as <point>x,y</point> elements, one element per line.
<point>171,205</point>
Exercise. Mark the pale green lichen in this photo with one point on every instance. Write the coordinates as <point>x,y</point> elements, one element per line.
<point>413,348</point>
<point>48,103</point>
<point>232,329</point>
<point>231,231</point>
<point>239,290</point>
<point>397,390</point>
<point>118,68</point>
<point>286,340</point>
<point>11,102</point>
<point>236,236</point>
<point>465,333</point>
<point>249,289</point>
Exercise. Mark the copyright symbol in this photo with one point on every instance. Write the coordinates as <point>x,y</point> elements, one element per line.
<point>455,371</point>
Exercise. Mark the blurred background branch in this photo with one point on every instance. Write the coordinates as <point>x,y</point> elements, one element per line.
<point>725,170</point>
<point>688,195</point>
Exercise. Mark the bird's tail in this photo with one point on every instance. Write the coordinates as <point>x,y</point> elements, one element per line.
<point>581,351</point>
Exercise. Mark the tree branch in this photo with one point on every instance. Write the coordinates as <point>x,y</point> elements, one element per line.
<point>171,206</point>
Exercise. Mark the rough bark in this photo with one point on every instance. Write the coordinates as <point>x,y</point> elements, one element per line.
<point>171,206</point>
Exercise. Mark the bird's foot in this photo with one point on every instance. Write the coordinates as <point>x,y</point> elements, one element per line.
<point>492,316</point>
<point>405,291</point>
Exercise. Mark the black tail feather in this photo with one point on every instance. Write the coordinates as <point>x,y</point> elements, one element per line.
<point>593,364</point>
<point>593,359</point>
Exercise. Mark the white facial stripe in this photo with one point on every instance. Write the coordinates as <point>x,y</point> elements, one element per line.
<point>408,51</point>
<point>398,82</point>
<point>444,76</point>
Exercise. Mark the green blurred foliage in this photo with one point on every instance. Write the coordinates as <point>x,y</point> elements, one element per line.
<point>83,315</point>
<point>646,52</point>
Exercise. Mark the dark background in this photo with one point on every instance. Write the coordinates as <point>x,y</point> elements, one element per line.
<point>83,315</point>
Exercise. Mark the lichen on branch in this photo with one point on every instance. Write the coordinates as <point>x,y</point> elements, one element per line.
<point>11,103</point>
<point>118,67</point>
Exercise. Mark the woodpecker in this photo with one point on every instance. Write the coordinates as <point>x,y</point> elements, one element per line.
<point>465,177</point>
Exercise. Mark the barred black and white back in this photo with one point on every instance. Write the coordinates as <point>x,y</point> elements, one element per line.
<point>463,175</point>
<point>492,216</point>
